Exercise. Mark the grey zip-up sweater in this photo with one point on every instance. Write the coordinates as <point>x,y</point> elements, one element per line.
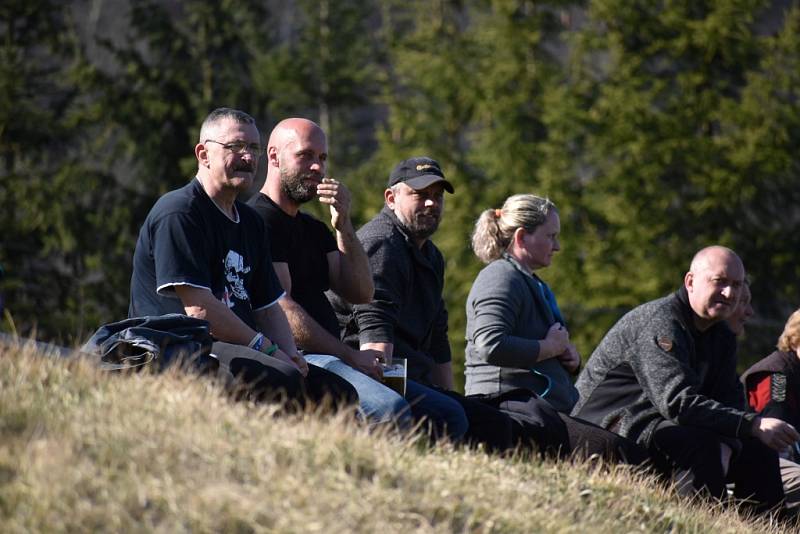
<point>654,365</point>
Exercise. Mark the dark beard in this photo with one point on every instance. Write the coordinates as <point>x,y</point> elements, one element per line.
<point>293,187</point>
<point>421,228</point>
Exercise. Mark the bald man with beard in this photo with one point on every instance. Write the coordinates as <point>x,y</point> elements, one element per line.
<point>665,377</point>
<point>204,254</point>
<point>297,153</point>
<point>309,260</point>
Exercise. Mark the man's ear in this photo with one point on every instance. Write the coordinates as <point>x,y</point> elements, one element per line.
<point>272,156</point>
<point>388,196</point>
<point>688,281</point>
<point>201,153</point>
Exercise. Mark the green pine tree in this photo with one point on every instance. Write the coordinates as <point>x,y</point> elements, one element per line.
<point>637,137</point>
<point>54,195</point>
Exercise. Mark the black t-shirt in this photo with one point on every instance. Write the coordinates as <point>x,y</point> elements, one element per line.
<point>187,240</point>
<point>304,243</point>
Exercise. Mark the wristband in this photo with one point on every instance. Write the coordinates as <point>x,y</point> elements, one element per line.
<point>271,349</point>
<point>257,342</point>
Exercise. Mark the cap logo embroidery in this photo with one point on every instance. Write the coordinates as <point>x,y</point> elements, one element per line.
<point>425,167</point>
<point>665,343</point>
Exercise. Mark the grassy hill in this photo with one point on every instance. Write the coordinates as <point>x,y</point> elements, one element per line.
<point>85,451</point>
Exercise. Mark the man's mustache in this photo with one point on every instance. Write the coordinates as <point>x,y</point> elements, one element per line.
<point>430,213</point>
<point>311,176</point>
<point>244,166</point>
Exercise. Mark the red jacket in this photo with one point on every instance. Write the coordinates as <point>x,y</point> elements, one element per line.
<point>772,387</point>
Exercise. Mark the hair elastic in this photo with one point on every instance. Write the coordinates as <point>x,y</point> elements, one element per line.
<point>498,213</point>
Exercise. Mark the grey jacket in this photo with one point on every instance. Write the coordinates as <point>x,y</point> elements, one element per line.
<point>506,316</point>
<point>654,365</point>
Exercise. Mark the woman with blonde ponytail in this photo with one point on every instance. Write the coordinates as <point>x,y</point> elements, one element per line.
<point>515,332</point>
<point>519,354</point>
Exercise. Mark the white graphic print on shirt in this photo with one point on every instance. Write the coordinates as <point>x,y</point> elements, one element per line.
<point>234,268</point>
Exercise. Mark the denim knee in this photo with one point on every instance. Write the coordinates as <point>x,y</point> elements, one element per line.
<point>378,403</point>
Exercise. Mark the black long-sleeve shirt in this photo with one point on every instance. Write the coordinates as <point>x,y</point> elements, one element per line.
<point>408,309</point>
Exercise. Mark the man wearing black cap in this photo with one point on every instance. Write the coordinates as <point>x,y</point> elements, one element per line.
<point>407,317</point>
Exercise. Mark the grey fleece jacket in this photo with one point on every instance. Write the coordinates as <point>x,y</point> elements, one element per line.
<point>654,365</point>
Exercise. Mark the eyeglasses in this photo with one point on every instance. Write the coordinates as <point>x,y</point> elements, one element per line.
<point>238,147</point>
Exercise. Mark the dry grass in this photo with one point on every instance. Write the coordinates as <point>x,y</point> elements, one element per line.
<point>84,451</point>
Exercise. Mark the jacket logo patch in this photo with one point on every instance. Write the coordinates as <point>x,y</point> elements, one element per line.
<point>664,342</point>
<point>778,387</point>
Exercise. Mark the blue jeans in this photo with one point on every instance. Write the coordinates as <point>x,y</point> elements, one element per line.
<point>444,414</point>
<point>378,404</point>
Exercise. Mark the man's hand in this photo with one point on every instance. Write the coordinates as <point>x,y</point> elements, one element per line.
<point>367,361</point>
<point>570,358</point>
<point>774,433</point>
<point>337,197</point>
<point>555,342</point>
<point>296,360</point>
<point>300,362</point>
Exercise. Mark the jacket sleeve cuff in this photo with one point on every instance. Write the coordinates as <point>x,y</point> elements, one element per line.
<point>745,429</point>
<point>383,334</point>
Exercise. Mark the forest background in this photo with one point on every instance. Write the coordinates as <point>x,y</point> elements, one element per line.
<point>656,127</point>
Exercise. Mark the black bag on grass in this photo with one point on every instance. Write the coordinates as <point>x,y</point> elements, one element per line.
<point>158,340</point>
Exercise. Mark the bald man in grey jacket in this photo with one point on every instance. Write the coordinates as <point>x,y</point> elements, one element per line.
<point>665,376</point>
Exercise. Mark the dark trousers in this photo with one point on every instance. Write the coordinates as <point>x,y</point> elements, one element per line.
<point>534,423</point>
<point>691,456</point>
<point>275,380</point>
<point>539,425</point>
<point>587,439</point>
<point>487,425</point>
<point>323,388</point>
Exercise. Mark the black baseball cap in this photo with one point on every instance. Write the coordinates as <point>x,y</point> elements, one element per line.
<point>419,173</point>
